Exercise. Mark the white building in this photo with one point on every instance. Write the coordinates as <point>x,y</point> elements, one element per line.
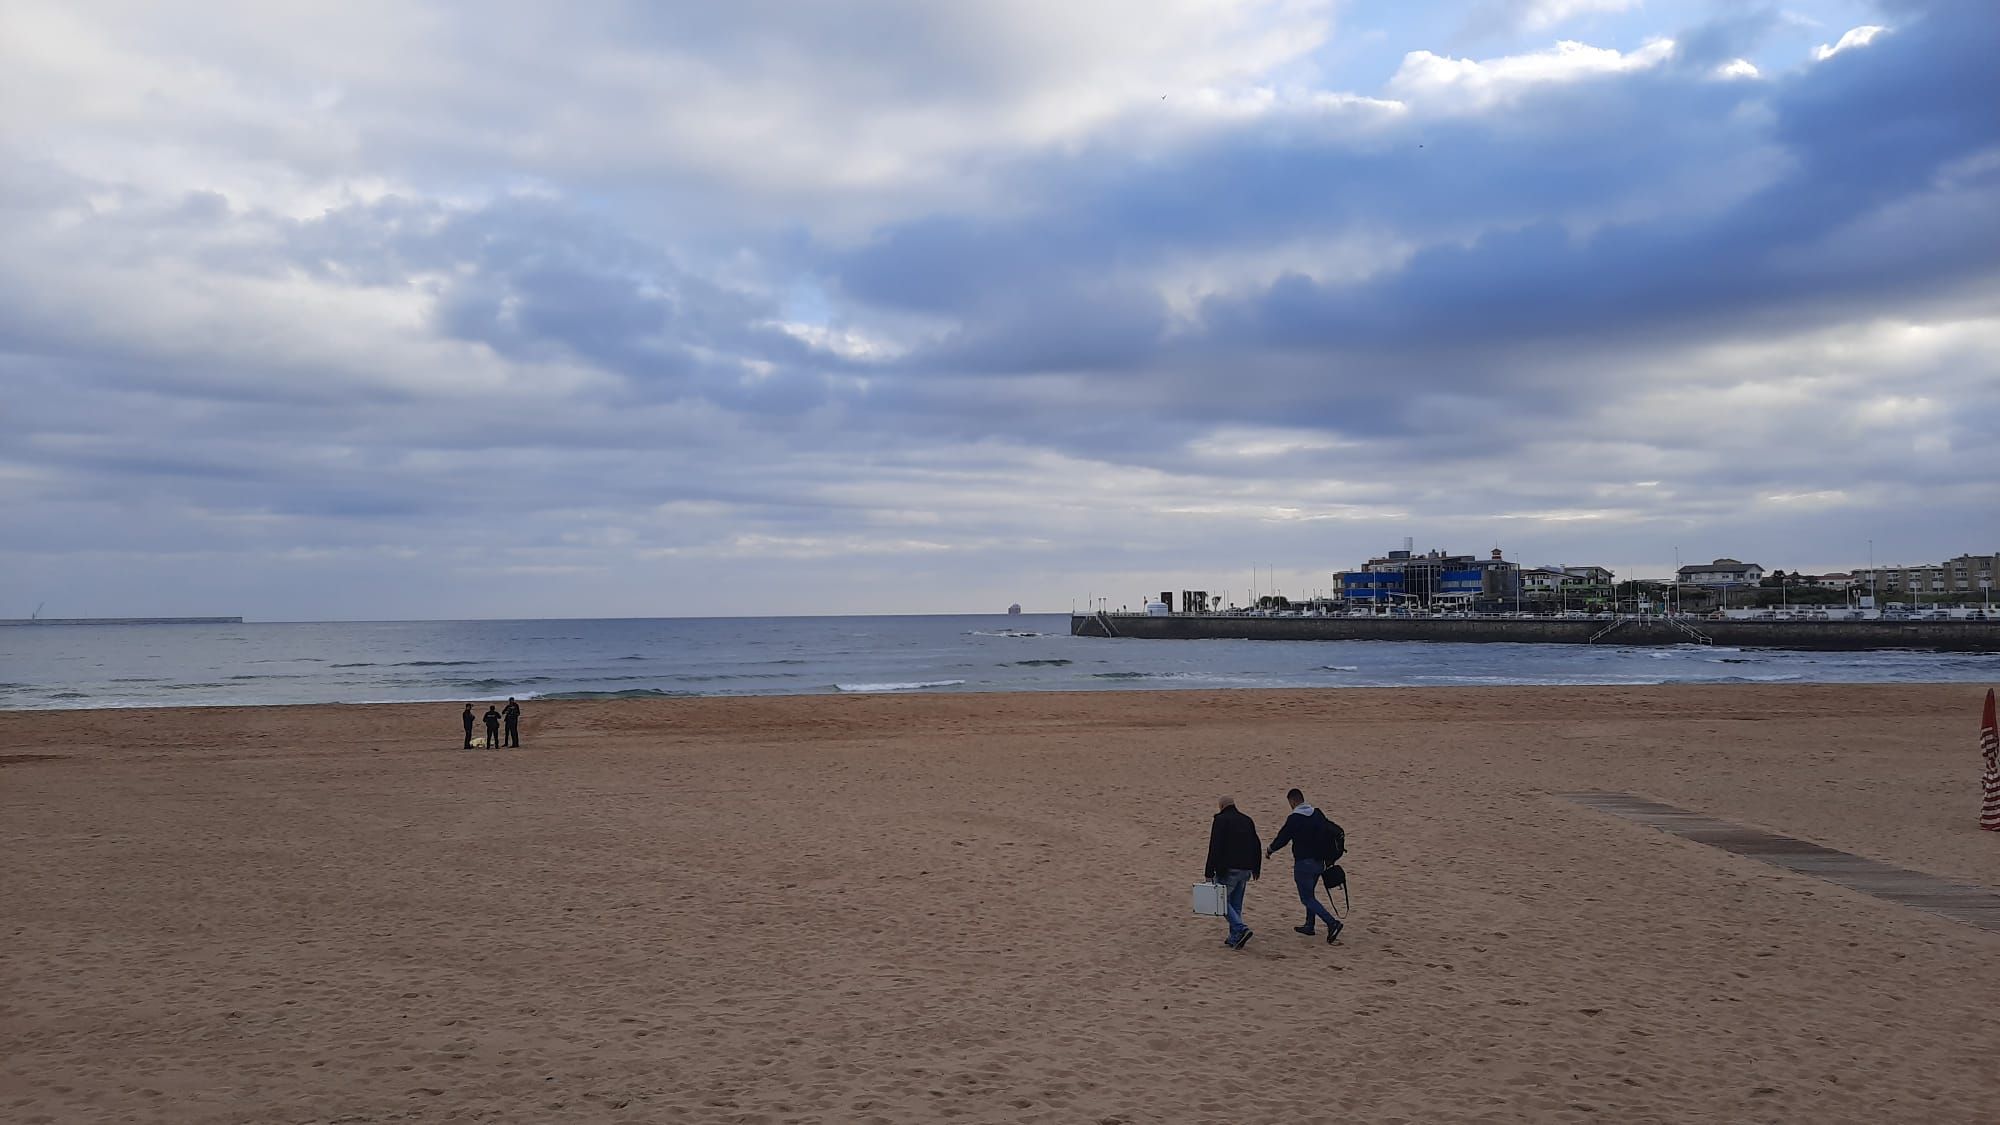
<point>1552,578</point>
<point>1722,573</point>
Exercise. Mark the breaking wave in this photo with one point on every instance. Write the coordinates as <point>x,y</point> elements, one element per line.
<point>628,693</point>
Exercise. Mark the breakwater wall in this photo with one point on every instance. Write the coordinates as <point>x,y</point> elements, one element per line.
<point>121,621</point>
<point>1943,636</point>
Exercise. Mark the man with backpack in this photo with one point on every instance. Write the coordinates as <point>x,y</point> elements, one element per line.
<point>1316,841</point>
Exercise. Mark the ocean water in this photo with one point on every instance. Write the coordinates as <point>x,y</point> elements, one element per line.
<point>68,666</point>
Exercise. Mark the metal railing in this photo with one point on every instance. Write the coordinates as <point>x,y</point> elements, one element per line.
<point>1692,633</point>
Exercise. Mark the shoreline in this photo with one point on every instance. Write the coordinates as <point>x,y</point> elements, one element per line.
<point>665,697</point>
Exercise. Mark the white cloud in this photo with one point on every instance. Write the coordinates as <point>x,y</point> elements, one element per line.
<point>1858,37</point>
<point>279,107</point>
<point>1429,81</point>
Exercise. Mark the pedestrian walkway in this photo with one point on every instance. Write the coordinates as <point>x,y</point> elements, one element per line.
<point>1974,906</point>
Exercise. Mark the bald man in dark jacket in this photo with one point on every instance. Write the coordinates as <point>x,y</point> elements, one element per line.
<point>1234,858</point>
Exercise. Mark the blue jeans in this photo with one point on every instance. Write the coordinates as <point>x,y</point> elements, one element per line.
<point>1238,880</point>
<point>1306,872</point>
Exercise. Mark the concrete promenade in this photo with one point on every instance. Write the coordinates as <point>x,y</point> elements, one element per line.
<point>1944,636</point>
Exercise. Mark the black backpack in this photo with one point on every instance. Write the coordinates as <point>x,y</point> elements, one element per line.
<point>1332,839</point>
<point>1333,845</point>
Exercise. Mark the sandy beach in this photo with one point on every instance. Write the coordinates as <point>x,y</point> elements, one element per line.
<point>974,908</point>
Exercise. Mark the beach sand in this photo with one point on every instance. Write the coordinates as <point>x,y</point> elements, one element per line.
<point>975,908</point>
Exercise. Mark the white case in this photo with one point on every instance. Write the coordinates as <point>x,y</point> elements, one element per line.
<point>1211,899</point>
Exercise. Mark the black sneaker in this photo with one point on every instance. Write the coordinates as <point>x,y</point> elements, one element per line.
<point>1306,930</point>
<point>1334,932</point>
<point>1245,939</point>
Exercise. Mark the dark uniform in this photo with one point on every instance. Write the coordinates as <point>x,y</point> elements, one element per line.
<point>468,726</point>
<point>512,713</point>
<point>492,727</point>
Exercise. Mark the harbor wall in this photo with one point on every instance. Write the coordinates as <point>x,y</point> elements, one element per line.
<point>1949,636</point>
<point>121,621</point>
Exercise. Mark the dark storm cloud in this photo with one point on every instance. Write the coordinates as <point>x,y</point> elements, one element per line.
<point>1862,130</point>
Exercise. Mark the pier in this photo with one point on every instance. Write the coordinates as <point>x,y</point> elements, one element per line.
<point>1627,630</point>
<point>121,621</point>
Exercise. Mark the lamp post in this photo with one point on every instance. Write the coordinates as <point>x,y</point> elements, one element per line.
<point>1677,581</point>
<point>1874,581</point>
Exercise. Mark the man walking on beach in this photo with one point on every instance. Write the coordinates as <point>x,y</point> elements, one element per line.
<point>468,726</point>
<point>1307,830</point>
<point>492,727</point>
<point>1234,858</point>
<point>512,713</point>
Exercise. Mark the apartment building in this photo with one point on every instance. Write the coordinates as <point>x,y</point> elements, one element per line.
<point>1970,575</point>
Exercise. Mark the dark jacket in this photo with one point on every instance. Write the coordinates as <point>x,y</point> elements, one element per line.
<point>492,719</point>
<point>1232,845</point>
<point>1304,830</point>
<point>468,718</point>
<point>512,713</point>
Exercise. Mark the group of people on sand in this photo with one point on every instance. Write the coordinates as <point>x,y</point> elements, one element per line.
<point>1236,856</point>
<point>495,717</point>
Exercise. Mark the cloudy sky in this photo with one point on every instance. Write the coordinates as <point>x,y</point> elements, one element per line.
<point>400,309</point>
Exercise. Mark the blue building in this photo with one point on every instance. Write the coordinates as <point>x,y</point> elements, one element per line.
<point>1367,586</point>
<point>1461,585</point>
<point>1404,578</point>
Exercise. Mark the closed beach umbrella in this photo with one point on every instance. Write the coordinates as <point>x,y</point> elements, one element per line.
<point>1989,745</point>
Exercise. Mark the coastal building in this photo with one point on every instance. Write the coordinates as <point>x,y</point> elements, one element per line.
<point>1970,575</point>
<point>1836,581</point>
<point>1722,573</point>
<point>1571,587</point>
<point>1550,579</point>
<point>1432,579</point>
<point>1542,579</point>
<point>1889,580</point>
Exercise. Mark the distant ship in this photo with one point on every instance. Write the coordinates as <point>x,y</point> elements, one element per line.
<point>1014,610</point>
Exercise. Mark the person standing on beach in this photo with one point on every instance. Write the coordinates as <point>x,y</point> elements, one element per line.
<point>1234,858</point>
<point>468,726</point>
<point>492,727</point>
<point>1307,830</point>
<point>512,713</point>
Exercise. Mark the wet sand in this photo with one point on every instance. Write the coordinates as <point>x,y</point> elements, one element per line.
<point>974,908</point>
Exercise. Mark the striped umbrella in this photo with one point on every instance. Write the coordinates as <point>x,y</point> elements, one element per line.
<point>1989,745</point>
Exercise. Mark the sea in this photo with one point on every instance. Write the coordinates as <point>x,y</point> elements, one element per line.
<point>89,666</point>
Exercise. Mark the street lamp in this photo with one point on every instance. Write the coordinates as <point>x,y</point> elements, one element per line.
<point>1677,581</point>
<point>1874,581</point>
